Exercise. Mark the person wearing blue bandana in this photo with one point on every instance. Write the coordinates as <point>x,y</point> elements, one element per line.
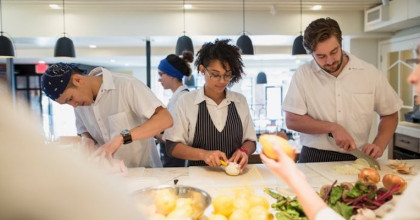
<point>171,71</point>
<point>112,110</point>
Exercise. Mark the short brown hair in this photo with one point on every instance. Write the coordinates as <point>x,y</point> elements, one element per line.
<point>321,30</point>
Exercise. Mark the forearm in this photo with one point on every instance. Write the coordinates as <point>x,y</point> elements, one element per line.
<point>307,124</point>
<point>186,152</point>
<point>386,129</point>
<point>249,146</point>
<point>160,121</point>
<point>308,198</point>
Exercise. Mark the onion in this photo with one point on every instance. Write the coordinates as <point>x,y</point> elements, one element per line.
<point>390,180</point>
<point>369,175</point>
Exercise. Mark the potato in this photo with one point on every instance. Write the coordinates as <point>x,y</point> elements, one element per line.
<point>223,204</point>
<point>257,200</point>
<point>268,141</point>
<point>165,201</point>
<point>217,217</point>
<point>239,214</point>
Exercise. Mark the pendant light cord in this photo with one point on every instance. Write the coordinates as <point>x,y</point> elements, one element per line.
<point>300,17</point>
<point>64,20</point>
<point>1,21</point>
<point>183,7</point>
<point>243,16</point>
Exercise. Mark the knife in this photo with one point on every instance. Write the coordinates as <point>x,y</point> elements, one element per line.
<point>359,154</point>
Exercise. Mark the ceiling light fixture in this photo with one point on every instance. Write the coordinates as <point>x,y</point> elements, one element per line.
<point>316,7</point>
<point>184,42</point>
<point>6,46</point>
<point>261,78</point>
<point>244,42</point>
<point>64,46</point>
<point>298,48</point>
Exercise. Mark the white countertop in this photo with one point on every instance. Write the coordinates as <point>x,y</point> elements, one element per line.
<point>409,129</point>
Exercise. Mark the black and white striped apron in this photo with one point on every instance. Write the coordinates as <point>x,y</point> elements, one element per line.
<point>209,138</point>
<point>309,155</point>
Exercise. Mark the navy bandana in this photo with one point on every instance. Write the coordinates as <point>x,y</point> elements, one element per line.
<point>56,78</point>
<point>167,68</point>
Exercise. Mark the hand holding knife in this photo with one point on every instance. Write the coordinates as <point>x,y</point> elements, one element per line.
<point>359,154</point>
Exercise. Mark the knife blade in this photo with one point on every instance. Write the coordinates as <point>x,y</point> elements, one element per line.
<point>359,154</point>
<point>372,162</point>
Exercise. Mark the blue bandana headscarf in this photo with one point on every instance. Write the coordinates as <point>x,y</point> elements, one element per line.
<point>56,78</point>
<point>167,68</point>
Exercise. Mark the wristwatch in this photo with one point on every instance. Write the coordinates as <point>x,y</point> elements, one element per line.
<point>126,134</point>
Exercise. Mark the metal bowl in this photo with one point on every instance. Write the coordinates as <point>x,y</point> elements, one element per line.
<point>201,199</point>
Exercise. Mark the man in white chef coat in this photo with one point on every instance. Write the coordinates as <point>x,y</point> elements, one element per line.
<point>332,100</point>
<point>111,110</point>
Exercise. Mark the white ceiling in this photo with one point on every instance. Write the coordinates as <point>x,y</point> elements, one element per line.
<point>122,47</point>
<point>204,5</point>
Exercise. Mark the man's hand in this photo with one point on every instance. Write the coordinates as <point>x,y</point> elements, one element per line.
<point>212,158</point>
<point>239,157</point>
<point>373,150</point>
<point>109,148</point>
<point>343,139</point>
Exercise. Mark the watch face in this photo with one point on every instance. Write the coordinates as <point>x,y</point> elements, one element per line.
<point>125,132</point>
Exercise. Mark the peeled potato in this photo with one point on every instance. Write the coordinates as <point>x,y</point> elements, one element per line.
<point>257,200</point>
<point>165,201</point>
<point>268,141</point>
<point>223,204</point>
<point>217,217</point>
<point>239,214</point>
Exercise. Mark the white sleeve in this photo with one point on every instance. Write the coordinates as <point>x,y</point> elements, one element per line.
<point>295,101</point>
<point>141,99</point>
<point>387,100</point>
<point>179,130</point>
<point>328,214</point>
<point>248,126</point>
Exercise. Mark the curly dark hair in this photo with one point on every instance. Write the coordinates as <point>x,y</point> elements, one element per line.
<point>224,52</point>
<point>181,64</point>
<point>321,30</point>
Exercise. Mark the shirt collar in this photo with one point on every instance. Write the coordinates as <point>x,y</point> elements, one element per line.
<point>230,97</point>
<point>107,79</point>
<point>352,64</point>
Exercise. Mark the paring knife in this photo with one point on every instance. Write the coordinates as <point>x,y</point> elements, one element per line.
<point>359,154</point>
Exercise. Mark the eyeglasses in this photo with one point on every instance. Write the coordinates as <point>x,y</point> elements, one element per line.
<point>227,77</point>
<point>414,60</point>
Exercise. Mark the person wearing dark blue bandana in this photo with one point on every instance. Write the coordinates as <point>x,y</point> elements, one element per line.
<point>111,109</point>
<point>171,71</point>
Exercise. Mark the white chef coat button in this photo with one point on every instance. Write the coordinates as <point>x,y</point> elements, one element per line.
<point>338,94</point>
<point>339,110</point>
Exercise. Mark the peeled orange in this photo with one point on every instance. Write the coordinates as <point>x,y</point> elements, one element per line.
<point>268,141</point>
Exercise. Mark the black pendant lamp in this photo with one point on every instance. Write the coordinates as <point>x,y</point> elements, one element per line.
<point>261,78</point>
<point>298,48</point>
<point>244,42</point>
<point>6,46</point>
<point>64,46</point>
<point>184,43</point>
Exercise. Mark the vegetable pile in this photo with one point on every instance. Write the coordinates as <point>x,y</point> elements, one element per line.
<point>289,208</point>
<point>345,200</point>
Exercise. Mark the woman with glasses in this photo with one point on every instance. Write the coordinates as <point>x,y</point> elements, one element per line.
<point>171,70</point>
<point>213,123</point>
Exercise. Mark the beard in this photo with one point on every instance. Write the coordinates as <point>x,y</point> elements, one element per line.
<point>338,63</point>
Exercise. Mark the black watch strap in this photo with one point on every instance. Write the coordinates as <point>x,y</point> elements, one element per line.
<point>126,134</point>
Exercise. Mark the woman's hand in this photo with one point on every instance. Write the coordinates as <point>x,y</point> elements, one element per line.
<point>108,149</point>
<point>284,167</point>
<point>212,158</point>
<point>240,158</point>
